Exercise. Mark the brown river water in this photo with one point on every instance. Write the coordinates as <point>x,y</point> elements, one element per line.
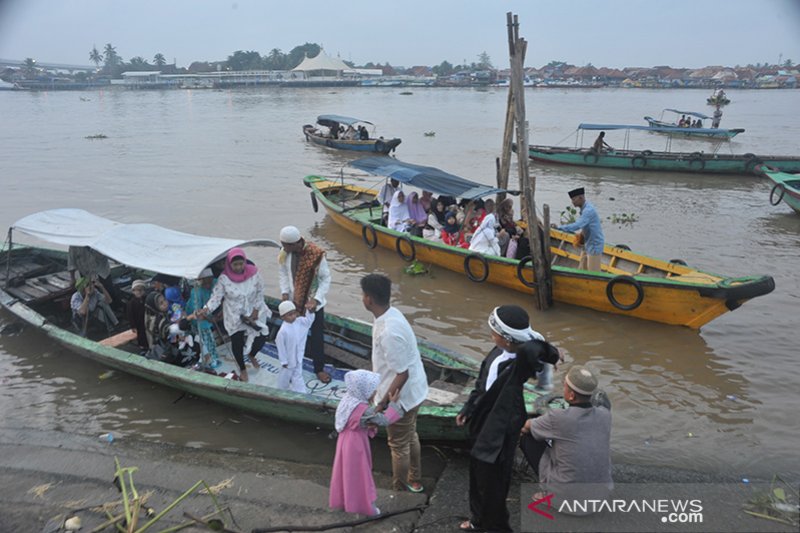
<point>231,163</point>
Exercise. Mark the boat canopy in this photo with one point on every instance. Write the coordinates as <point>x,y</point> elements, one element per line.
<point>144,246</point>
<point>329,120</point>
<point>690,113</point>
<point>426,178</point>
<point>662,129</point>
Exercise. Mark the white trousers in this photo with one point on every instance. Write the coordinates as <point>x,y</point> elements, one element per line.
<point>291,378</point>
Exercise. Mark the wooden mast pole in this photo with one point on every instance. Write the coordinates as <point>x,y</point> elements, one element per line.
<point>517,49</point>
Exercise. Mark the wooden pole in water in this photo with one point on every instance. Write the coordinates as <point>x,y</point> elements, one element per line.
<point>517,50</point>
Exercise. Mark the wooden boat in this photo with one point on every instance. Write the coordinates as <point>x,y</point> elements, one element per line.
<point>671,128</point>
<point>786,188</point>
<point>650,160</point>
<point>332,122</point>
<point>718,98</point>
<point>630,284</point>
<point>35,284</point>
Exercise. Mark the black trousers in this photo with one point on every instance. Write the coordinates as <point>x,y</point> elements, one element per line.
<point>488,489</point>
<point>237,347</point>
<point>315,345</point>
<point>533,450</point>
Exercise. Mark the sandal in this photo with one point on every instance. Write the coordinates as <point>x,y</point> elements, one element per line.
<point>411,488</point>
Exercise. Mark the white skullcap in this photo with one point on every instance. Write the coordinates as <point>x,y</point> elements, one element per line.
<point>206,273</point>
<point>290,235</point>
<point>286,307</point>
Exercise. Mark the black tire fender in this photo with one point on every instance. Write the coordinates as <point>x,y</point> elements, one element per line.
<point>314,203</point>
<point>772,199</point>
<point>639,158</point>
<point>629,280</point>
<point>329,143</point>
<point>697,163</point>
<point>380,146</point>
<point>647,152</point>
<point>623,247</point>
<point>752,164</point>
<point>678,262</point>
<point>398,246</point>
<point>468,268</point>
<point>372,240</point>
<point>594,158</point>
<point>521,266</point>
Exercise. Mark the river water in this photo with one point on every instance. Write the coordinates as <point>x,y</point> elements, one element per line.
<point>231,163</point>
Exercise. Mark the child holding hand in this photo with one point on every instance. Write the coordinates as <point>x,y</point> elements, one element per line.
<point>352,485</point>
<point>291,344</point>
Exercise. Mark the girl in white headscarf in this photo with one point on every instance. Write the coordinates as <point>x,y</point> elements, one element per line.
<point>399,217</point>
<point>484,240</point>
<point>352,485</point>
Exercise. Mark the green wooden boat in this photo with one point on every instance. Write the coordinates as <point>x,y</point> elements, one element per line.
<point>786,188</point>
<point>35,284</point>
<point>712,162</point>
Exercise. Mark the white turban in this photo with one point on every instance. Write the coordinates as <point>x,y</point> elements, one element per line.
<point>290,235</point>
<point>511,334</point>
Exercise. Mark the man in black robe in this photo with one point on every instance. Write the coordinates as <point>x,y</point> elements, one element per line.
<point>495,412</point>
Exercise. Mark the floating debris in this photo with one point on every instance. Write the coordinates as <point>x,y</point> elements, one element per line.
<point>72,524</point>
<point>97,136</point>
<point>416,268</point>
<point>105,375</point>
<point>406,93</point>
<point>430,134</point>
<point>39,490</point>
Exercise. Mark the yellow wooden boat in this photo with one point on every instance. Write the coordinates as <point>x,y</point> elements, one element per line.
<point>630,284</point>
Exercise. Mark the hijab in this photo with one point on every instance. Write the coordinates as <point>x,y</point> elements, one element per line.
<point>455,227</point>
<point>441,216</point>
<point>398,212</point>
<point>360,386</point>
<point>250,269</point>
<point>415,208</point>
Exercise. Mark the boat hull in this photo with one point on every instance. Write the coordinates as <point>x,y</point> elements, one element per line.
<point>692,133</point>
<point>666,300</point>
<point>378,146</point>
<point>647,160</point>
<point>786,188</point>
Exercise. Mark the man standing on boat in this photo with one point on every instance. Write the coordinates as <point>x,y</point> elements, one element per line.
<point>396,358</point>
<point>305,278</point>
<point>591,231</point>
<point>385,197</point>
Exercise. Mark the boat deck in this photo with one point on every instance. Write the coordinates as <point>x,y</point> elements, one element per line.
<point>31,279</point>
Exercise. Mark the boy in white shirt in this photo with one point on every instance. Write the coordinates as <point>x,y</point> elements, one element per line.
<point>291,344</point>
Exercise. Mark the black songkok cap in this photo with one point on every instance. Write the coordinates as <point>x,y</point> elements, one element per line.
<point>576,192</point>
<point>514,316</point>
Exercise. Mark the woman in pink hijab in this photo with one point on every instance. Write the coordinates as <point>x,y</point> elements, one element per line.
<point>417,213</point>
<point>240,290</point>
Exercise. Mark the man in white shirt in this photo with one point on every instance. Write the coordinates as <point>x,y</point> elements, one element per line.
<point>396,358</point>
<point>385,197</point>
<point>305,278</point>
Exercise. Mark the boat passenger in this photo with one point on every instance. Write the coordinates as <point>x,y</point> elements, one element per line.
<point>589,225</point>
<point>200,294</point>
<point>352,484</point>
<point>436,221</point>
<point>417,214</point>
<point>334,130</point>
<point>508,239</point>
<point>162,333</point>
<point>600,144</point>
<point>426,199</point>
<point>494,413</point>
<point>399,217</point>
<point>484,240</point>
<point>135,313</point>
<point>291,345</point>
<point>451,231</point>
<point>363,134</point>
<point>240,290</point>
<point>717,118</point>
<point>91,304</point>
<point>304,278</point>
<point>350,134</point>
<point>385,197</point>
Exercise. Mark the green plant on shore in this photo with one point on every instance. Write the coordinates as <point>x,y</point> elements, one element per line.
<point>569,215</point>
<point>623,219</point>
<point>776,504</point>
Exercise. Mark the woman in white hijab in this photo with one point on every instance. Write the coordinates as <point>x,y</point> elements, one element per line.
<point>399,217</point>
<point>484,240</point>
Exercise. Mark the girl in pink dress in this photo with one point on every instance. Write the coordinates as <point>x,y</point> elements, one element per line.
<point>352,486</point>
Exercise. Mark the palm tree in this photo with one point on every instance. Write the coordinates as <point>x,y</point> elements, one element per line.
<point>95,56</point>
<point>30,67</point>
<point>111,56</point>
<point>159,60</point>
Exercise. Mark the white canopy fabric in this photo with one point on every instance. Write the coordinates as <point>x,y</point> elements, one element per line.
<point>322,61</point>
<point>145,246</point>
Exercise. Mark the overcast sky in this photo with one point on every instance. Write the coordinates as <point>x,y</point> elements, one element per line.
<point>613,33</point>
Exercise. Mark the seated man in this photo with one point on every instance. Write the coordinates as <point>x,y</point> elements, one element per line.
<point>569,449</point>
<point>90,305</point>
<point>600,144</point>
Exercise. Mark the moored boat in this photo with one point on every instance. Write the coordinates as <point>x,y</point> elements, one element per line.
<point>630,284</point>
<point>652,160</point>
<point>332,138</point>
<point>34,283</point>
<point>674,128</point>
<point>786,188</point>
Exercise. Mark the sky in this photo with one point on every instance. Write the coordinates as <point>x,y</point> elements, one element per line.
<point>610,33</point>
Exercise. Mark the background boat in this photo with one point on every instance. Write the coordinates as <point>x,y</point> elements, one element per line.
<point>332,122</point>
<point>786,188</point>
<point>671,128</point>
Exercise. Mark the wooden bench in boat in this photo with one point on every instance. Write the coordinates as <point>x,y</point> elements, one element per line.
<point>120,339</point>
<point>38,289</point>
